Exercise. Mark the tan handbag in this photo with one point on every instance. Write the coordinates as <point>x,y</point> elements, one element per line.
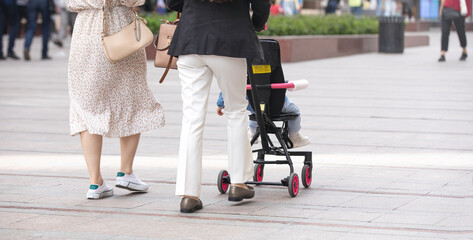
<point>127,41</point>
<point>163,40</point>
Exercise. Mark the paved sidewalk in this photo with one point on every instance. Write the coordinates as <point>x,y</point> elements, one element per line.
<point>392,142</point>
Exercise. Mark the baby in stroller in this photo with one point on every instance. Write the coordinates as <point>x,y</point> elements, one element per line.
<point>293,126</point>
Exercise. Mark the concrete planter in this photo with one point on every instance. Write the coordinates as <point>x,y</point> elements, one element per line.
<point>417,27</point>
<point>303,48</point>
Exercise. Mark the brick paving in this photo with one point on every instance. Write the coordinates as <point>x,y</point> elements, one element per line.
<point>392,142</point>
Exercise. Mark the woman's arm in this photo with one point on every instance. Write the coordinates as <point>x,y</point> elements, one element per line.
<point>441,8</point>
<point>261,10</point>
<point>175,5</point>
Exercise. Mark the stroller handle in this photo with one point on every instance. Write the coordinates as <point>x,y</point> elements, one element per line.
<point>291,85</point>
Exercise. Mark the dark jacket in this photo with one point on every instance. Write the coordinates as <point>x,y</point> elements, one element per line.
<point>222,29</point>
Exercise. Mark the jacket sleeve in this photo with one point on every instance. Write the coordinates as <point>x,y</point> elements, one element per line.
<point>79,5</point>
<point>175,5</point>
<point>260,13</point>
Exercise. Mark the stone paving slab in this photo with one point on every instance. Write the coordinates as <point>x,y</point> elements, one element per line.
<point>392,142</point>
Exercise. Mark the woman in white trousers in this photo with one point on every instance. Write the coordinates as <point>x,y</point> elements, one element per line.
<point>213,39</point>
<point>196,73</point>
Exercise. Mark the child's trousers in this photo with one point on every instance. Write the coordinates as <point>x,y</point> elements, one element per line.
<point>196,73</point>
<point>293,126</point>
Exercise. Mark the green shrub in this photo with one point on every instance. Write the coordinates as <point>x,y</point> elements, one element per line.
<point>298,25</point>
<point>320,25</point>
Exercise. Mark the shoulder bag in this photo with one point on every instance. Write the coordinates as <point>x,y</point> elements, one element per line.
<point>163,40</point>
<point>127,41</point>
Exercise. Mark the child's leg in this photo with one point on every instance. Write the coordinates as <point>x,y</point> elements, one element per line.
<point>253,125</point>
<point>293,126</point>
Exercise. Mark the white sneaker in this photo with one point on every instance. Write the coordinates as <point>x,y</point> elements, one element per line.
<point>97,192</point>
<point>299,140</point>
<point>130,182</point>
<point>250,136</point>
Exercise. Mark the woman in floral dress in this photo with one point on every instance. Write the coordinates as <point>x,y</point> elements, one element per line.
<point>108,99</point>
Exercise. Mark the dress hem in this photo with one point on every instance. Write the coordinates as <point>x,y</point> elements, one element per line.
<point>106,134</point>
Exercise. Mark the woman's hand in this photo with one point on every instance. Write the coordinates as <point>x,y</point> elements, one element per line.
<point>264,29</point>
<point>219,111</point>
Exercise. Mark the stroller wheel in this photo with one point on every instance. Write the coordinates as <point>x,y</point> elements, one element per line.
<point>306,175</point>
<point>223,181</point>
<point>293,186</point>
<point>259,172</point>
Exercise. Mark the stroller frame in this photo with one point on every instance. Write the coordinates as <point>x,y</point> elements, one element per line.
<point>261,74</point>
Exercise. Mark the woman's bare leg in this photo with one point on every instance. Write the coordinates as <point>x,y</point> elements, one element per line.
<point>92,149</point>
<point>128,146</point>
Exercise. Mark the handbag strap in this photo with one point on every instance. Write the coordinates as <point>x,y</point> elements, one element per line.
<point>137,25</point>
<point>167,69</point>
<point>166,48</point>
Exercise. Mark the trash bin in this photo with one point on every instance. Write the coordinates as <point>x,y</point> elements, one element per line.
<point>391,34</point>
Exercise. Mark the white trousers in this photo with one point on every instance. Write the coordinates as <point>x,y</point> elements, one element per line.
<point>196,73</point>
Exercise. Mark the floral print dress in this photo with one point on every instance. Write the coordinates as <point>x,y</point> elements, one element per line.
<point>109,99</point>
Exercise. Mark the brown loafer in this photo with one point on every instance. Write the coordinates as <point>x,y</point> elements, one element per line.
<point>237,194</point>
<point>189,205</point>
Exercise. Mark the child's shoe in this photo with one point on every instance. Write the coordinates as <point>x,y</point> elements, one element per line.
<point>299,140</point>
<point>97,192</point>
<point>130,182</point>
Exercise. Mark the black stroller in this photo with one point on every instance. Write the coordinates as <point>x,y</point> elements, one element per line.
<point>267,95</point>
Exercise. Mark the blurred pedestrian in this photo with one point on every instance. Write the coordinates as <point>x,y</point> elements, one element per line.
<point>355,7</point>
<point>407,8</point>
<point>331,7</point>
<point>67,20</point>
<point>23,16</point>
<point>450,12</point>
<point>34,7</point>
<point>379,7</point>
<point>9,17</point>
<point>290,7</point>
<point>161,7</point>
<point>389,8</point>
<point>276,9</point>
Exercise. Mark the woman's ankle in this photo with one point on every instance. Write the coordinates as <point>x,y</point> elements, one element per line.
<point>96,181</point>
<point>126,171</point>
